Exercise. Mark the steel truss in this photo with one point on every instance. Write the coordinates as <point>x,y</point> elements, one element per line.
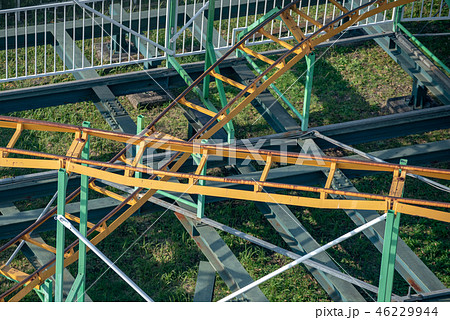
<point>261,190</point>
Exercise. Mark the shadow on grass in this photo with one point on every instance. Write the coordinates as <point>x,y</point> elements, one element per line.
<point>333,98</point>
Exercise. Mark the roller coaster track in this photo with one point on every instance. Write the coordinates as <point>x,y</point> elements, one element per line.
<point>260,190</point>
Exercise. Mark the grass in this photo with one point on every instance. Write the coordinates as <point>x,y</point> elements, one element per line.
<point>350,82</point>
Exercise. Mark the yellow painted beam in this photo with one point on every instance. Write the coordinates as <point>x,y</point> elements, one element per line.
<point>230,82</point>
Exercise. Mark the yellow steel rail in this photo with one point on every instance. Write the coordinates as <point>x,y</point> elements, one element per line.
<point>74,165</point>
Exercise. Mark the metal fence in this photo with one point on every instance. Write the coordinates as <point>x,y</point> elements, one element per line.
<point>63,37</point>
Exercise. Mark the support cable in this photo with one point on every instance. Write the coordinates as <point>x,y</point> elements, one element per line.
<point>94,249</point>
<point>262,243</point>
<point>430,182</point>
<point>305,257</point>
<point>47,207</point>
<point>187,24</point>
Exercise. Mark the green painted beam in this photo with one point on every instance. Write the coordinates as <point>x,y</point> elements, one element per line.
<point>310,61</point>
<point>60,236</point>
<point>77,289</point>
<point>388,256</point>
<point>84,197</point>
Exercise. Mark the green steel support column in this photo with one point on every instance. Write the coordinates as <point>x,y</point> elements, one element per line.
<point>388,256</point>
<point>389,253</point>
<point>84,192</point>
<point>422,47</point>
<point>397,17</point>
<point>201,198</point>
<point>310,60</point>
<point>140,127</point>
<point>47,290</point>
<point>60,236</point>
<point>171,26</point>
<point>211,57</point>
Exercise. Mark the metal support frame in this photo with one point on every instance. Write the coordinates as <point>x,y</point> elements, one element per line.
<point>65,223</point>
<point>310,61</point>
<point>202,162</point>
<point>225,116</point>
<point>84,196</point>
<point>410,58</point>
<point>391,237</point>
<point>46,292</point>
<point>388,256</point>
<point>60,235</point>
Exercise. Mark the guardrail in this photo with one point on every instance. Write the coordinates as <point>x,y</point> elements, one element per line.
<point>63,37</point>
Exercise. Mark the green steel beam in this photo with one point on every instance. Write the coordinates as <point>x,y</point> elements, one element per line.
<point>206,278</point>
<point>397,17</point>
<point>389,252</point>
<point>310,61</point>
<point>77,288</point>
<point>84,192</point>
<point>60,235</point>
<point>388,256</point>
<point>422,47</point>
<point>210,59</point>
<point>201,200</point>
<point>139,127</point>
<point>47,290</point>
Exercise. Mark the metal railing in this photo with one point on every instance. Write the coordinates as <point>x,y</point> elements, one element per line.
<point>426,10</point>
<point>63,37</point>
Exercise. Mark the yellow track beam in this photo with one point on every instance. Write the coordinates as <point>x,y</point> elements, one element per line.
<point>292,26</point>
<point>260,57</point>
<point>275,39</point>
<point>229,81</point>
<point>198,108</point>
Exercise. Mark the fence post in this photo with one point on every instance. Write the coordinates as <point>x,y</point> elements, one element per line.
<point>171,26</point>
